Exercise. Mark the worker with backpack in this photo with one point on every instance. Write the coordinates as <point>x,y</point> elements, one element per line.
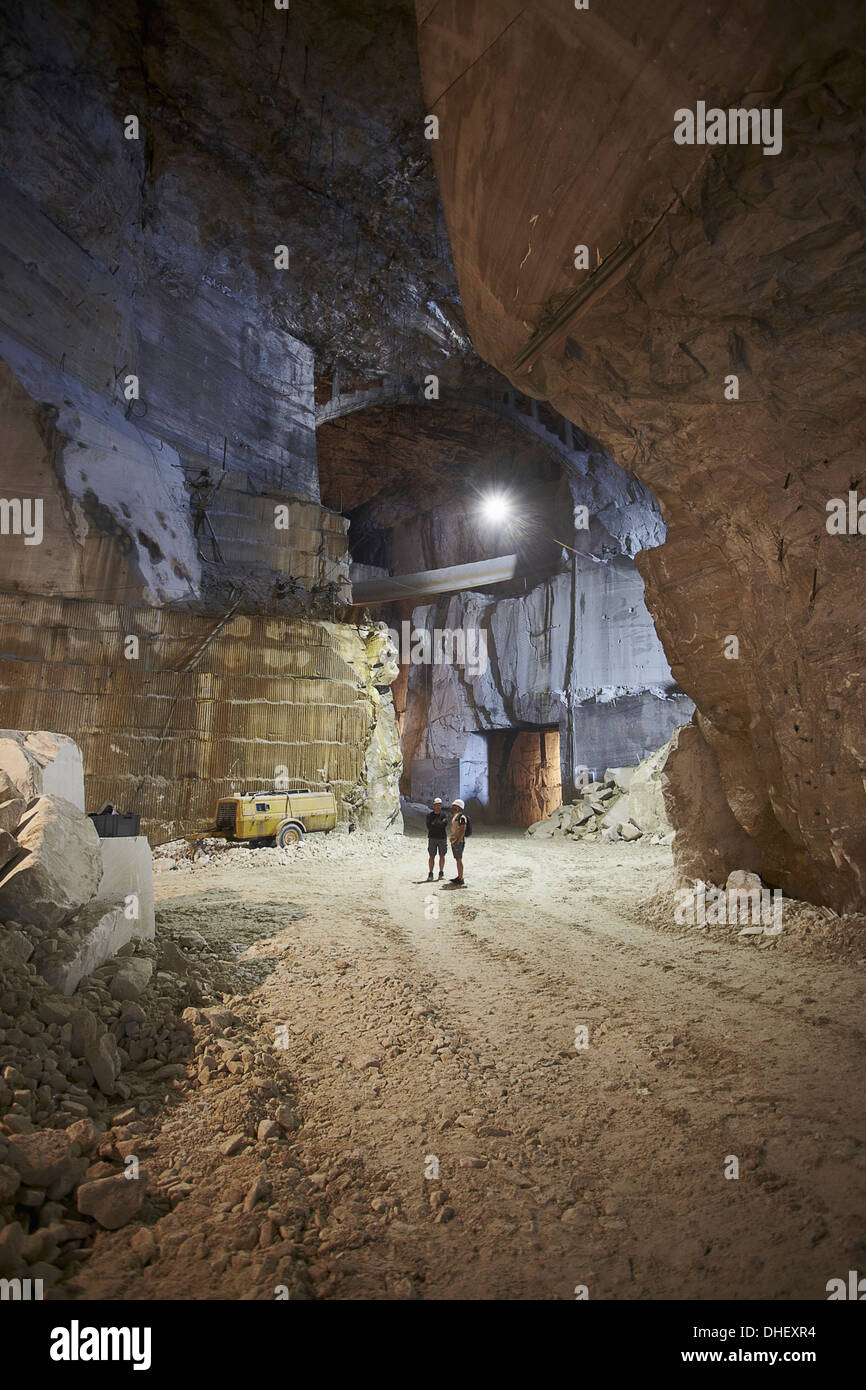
<point>461,829</point>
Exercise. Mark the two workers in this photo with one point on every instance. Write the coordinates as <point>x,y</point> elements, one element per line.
<point>439,830</point>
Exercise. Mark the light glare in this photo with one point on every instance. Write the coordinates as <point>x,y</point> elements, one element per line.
<point>495,507</point>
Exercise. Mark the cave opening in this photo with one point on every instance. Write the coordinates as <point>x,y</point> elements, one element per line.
<point>524,774</point>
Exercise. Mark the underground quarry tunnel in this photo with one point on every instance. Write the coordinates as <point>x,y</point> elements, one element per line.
<point>432,762</point>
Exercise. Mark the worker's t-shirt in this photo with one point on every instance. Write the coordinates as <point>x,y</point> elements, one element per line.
<point>456,822</point>
<point>437,825</point>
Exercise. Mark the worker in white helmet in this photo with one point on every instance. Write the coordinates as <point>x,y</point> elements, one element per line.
<point>460,828</point>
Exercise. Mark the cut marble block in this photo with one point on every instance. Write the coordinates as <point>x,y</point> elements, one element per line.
<point>127,867</point>
<point>101,929</point>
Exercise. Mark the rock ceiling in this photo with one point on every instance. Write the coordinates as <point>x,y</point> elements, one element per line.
<point>705,261</point>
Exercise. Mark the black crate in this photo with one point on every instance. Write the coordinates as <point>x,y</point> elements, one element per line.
<point>109,826</point>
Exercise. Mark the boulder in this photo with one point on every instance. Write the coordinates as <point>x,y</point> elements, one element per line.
<point>132,979</point>
<point>709,842</point>
<point>740,880</point>
<point>542,829</point>
<point>10,1181</point>
<point>85,1030</point>
<point>219,1019</point>
<point>43,764</point>
<point>40,1158</point>
<point>174,960</point>
<point>628,831</point>
<point>85,1134</point>
<point>646,804</point>
<point>592,789</point>
<point>111,1201</point>
<point>102,1058</point>
<point>11,1246</point>
<point>620,777</point>
<point>616,812</point>
<point>127,867</point>
<point>15,949</point>
<point>60,869</point>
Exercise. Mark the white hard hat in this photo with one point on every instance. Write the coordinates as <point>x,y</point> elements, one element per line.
<point>437,798</point>
<point>457,802</point>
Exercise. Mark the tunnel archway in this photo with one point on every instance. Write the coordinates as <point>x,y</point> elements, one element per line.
<point>564,634</point>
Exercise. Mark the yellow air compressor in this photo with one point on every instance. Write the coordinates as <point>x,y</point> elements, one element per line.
<point>278,814</point>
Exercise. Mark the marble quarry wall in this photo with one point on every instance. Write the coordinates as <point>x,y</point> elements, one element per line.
<point>578,653</point>
<point>711,337</point>
<point>172,710</point>
<point>158,421</point>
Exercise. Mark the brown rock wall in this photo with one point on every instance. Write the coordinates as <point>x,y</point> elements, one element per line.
<point>556,129</point>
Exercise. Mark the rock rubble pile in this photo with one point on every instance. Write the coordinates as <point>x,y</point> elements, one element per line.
<point>627,804</point>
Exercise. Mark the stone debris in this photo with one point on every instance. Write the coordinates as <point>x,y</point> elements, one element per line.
<point>339,845</point>
<point>85,897</point>
<point>628,804</point>
<point>85,1076</point>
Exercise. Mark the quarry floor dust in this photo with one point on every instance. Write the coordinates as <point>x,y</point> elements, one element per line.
<point>455,1137</point>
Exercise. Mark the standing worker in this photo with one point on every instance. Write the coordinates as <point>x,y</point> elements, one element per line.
<point>437,838</point>
<point>460,828</point>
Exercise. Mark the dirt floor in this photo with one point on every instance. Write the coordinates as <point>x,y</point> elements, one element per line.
<point>439,1132</point>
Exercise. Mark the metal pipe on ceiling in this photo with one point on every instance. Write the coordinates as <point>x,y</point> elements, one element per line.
<point>479,574</point>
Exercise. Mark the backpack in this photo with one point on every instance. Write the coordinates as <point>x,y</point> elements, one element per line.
<point>468,831</point>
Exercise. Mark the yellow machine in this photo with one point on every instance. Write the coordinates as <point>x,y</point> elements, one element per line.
<point>279,814</point>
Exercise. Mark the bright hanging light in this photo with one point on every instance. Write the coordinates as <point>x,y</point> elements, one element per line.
<point>495,507</point>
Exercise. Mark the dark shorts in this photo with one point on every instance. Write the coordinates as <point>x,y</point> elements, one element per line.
<point>435,846</point>
<point>457,847</point>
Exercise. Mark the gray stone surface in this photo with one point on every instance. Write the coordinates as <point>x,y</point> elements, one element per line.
<point>646,806</point>
<point>127,867</point>
<point>604,682</point>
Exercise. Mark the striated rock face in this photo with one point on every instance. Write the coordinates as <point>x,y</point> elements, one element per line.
<point>705,262</point>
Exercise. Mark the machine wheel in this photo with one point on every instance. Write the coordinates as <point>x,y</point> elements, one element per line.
<point>289,835</point>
